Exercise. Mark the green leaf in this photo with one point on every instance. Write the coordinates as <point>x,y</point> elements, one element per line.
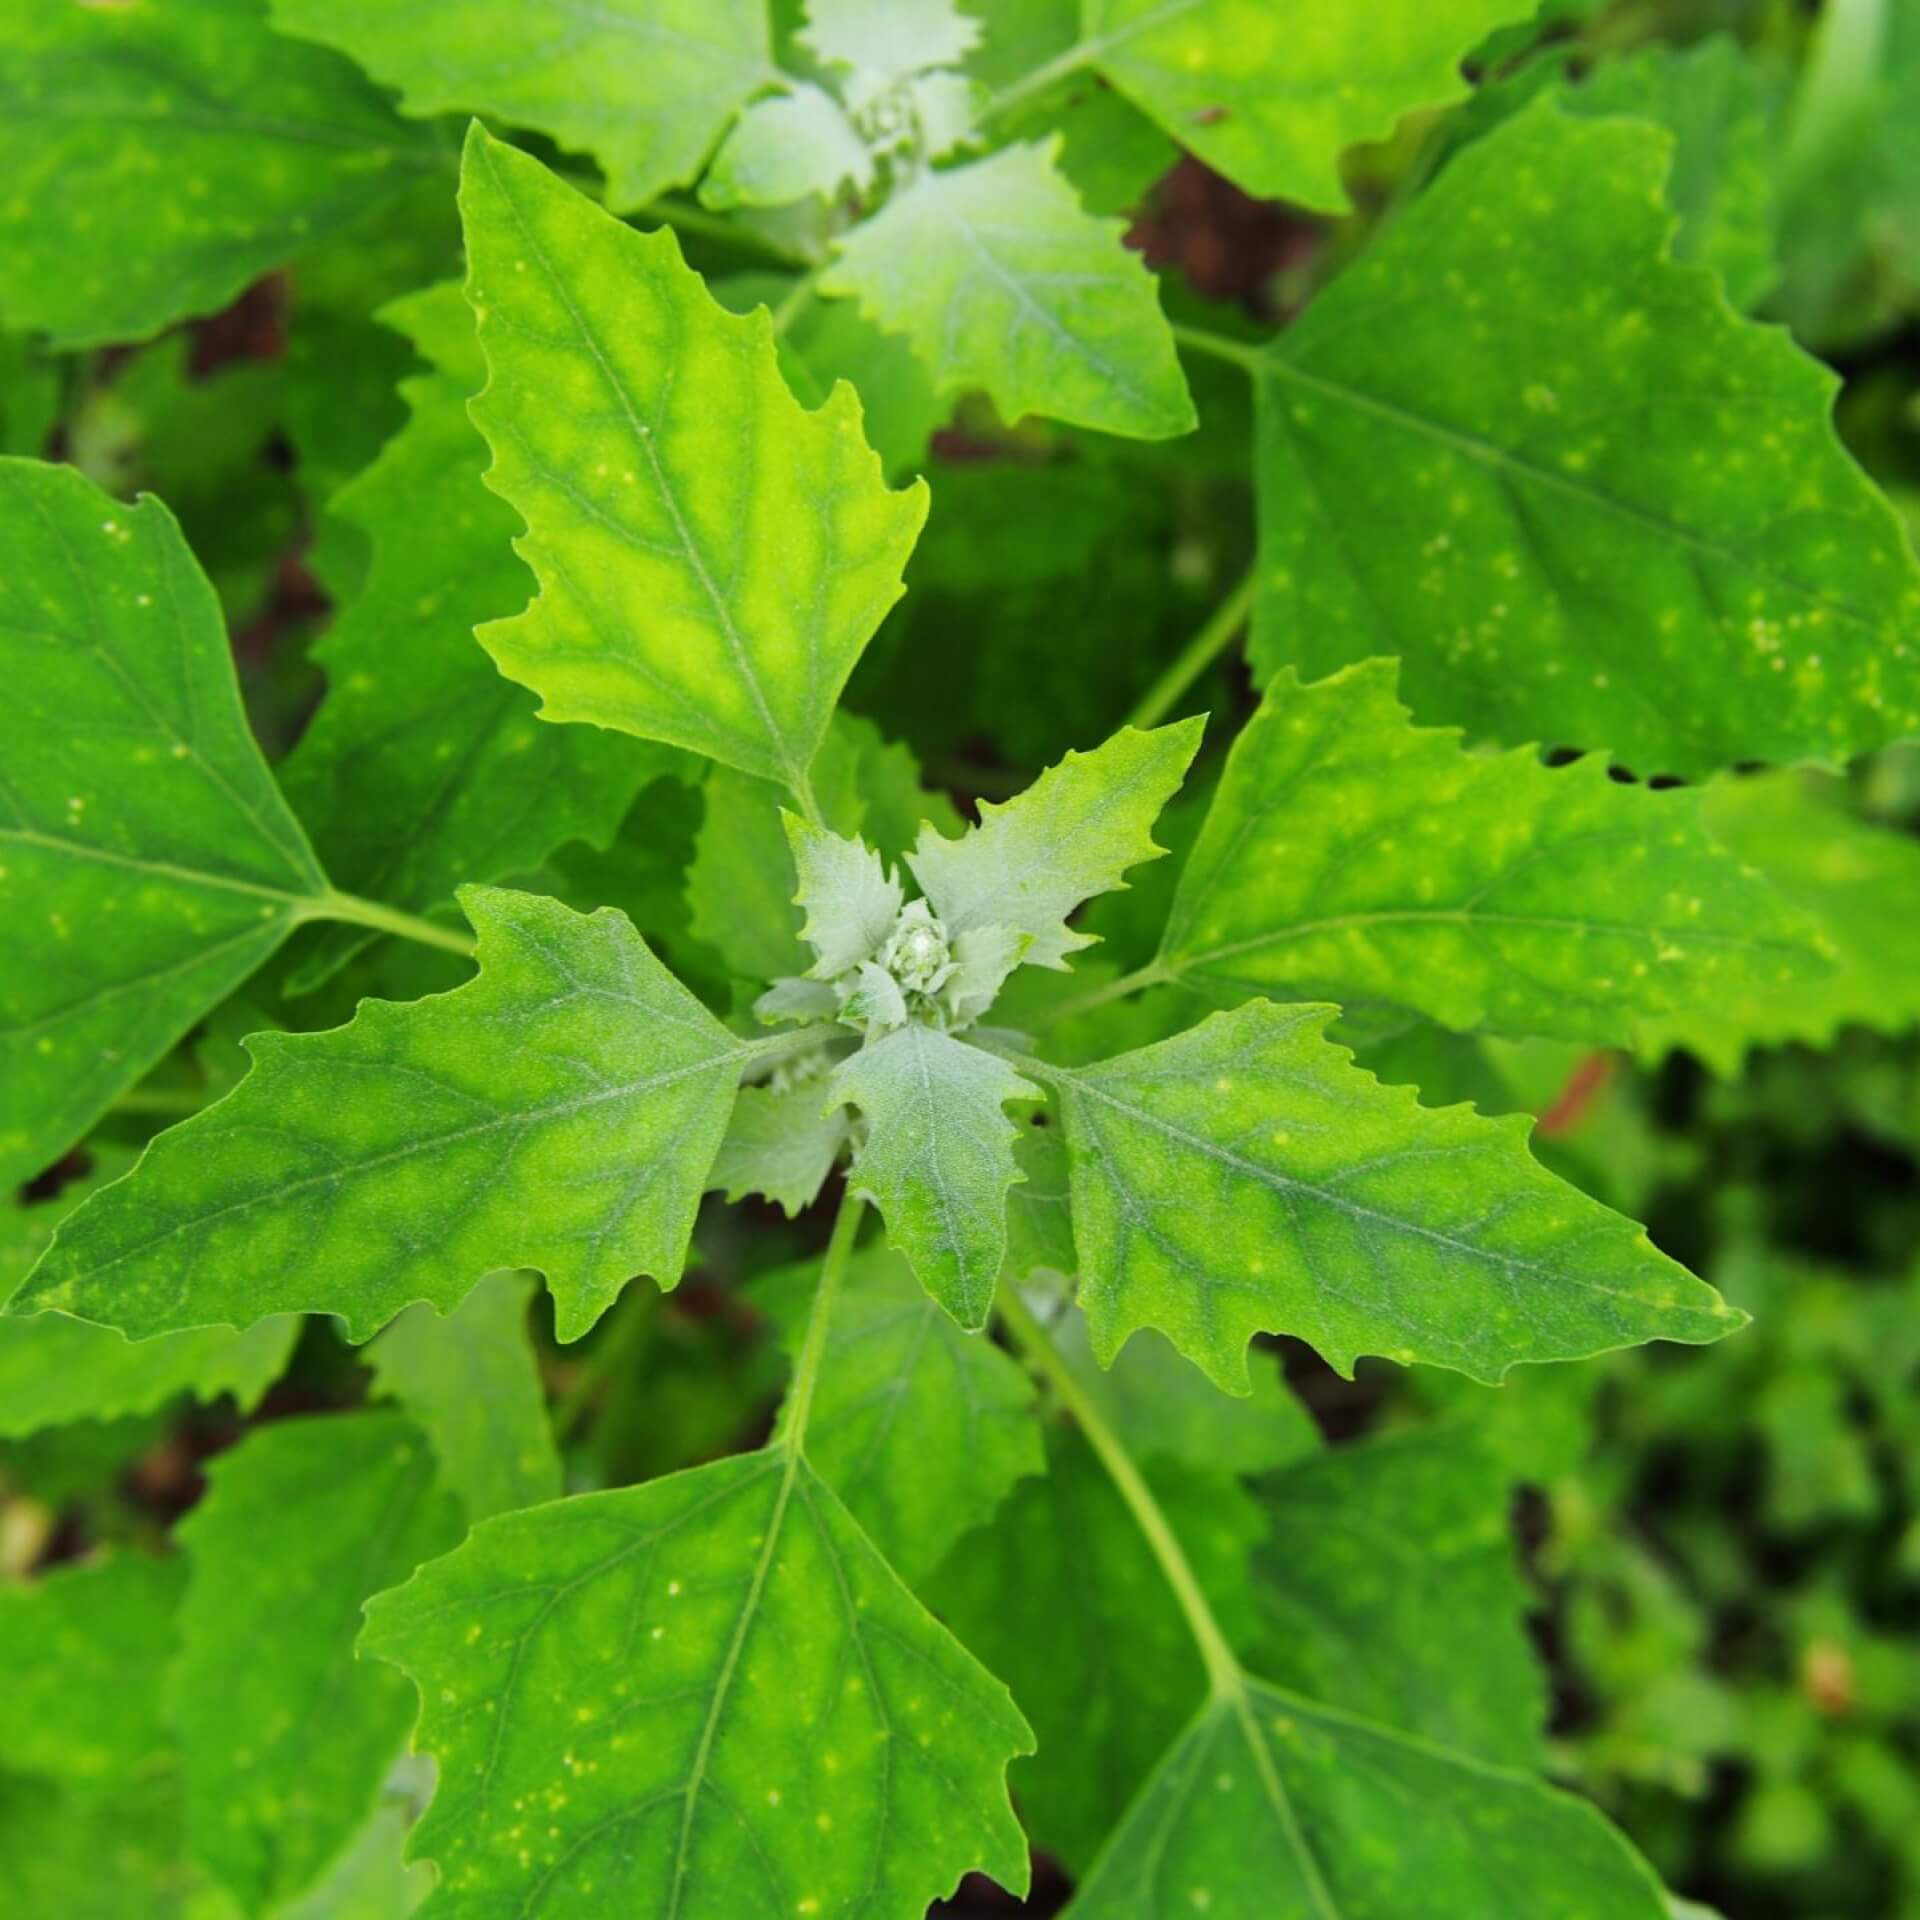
<point>779,1145</point>
<point>797,145</point>
<point>938,1157</point>
<point>1387,1585</point>
<point>158,158</point>
<point>1245,1177</point>
<point>1163,1409</point>
<point>560,1111</point>
<point>1073,833</point>
<point>110,1856</point>
<point>1272,94</point>
<point>1002,280</point>
<point>645,86</point>
<point>471,1383</point>
<point>712,558</point>
<point>371,1880</point>
<point>81,1652</point>
<point>849,896</point>
<point>1847,873</point>
<point>147,861</point>
<point>887,39</point>
<point>286,1735</point>
<point>29,396</point>
<point>1272,1805</point>
<point>1063,1598</point>
<point>423,768</point>
<point>1354,857</point>
<point>921,1429</point>
<point>1603,510</point>
<point>1709,97</point>
<point>711,1697</point>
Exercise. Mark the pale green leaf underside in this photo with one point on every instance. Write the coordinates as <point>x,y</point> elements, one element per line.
<point>1070,835</point>
<point>797,145</point>
<point>1272,92</point>
<point>712,558</point>
<point>1600,508</point>
<point>779,1145</point>
<point>1271,1805</point>
<point>559,1112</point>
<point>1062,1596</point>
<point>849,895</point>
<point>1858,880</point>
<point>286,1735</point>
<point>147,861</point>
<point>424,768</point>
<point>471,1383</point>
<point>160,157</point>
<point>707,1696</point>
<point>645,86</point>
<point>888,38</point>
<point>1387,1584</point>
<point>1353,857</point>
<point>938,1157</point>
<point>1245,1177</point>
<point>1003,281</point>
<point>919,1428</point>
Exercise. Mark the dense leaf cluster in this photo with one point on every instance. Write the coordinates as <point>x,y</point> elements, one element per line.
<point>452,1080</point>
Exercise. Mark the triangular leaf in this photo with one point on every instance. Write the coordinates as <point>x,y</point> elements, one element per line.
<point>796,145</point>
<point>938,1157</point>
<point>1354,857</point>
<point>1272,1805</point>
<point>1245,1177</point>
<point>1002,280</point>
<point>849,896</point>
<point>1071,834</point>
<point>560,1111</point>
<point>712,558</point>
<point>1607,511</point>
<point>888,38</point>
<point>779,1145</point>
<point>705,1696</point>
<point>148,863</point>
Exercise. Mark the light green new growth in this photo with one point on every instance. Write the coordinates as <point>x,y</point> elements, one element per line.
<point>712,558</point>
<point>158,158</point>
<point>850,898</point>
<point>1070,835</point>
<point>706,1696</point>
<point>147,861</point>
<point>645,86</point>
<point>286,1736</point>
<point>1003,281</point>
<point>1245,1177</point>
<point>779,1145</point>
<point>799,144</point>
<point>1353,857</point>
<point>561,1112</point>
<point>938,1156</point>
<point>1607,512</point>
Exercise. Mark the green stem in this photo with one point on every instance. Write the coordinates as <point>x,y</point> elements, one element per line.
<point>794,302</point>
<point>1196,656</point>
<point>1223,1669</point>
<point>1153,974</point>
<point>1038,80</point>
<point>409,926</point>
<point>1239,353</point>
<point>806,1370</point>
<point>179,1102</point>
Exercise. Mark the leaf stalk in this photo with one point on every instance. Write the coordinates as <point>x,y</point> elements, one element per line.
<point>806,1371</point>
<point>1206,646</point>
<point>333,905</point>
